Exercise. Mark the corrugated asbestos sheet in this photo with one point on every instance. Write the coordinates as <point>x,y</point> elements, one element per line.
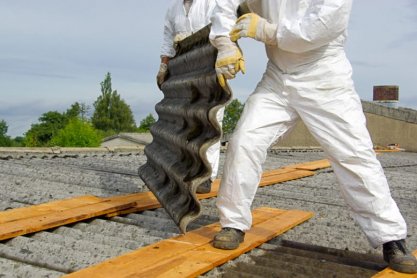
<point>186,128</point>
<point>35,177</point>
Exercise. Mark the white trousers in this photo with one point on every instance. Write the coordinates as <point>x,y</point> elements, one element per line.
<point>213,152</point>
<point>332,111</point>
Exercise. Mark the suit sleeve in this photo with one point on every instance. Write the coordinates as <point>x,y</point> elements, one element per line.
<point>324,21</point>
<point>168,36</point>
<point>224,17</point>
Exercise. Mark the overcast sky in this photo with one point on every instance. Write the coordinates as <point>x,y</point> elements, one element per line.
<point>56,52</point>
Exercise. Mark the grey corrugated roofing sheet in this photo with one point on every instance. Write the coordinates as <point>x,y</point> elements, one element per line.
<point>42,177</point>
<point>187,126</point>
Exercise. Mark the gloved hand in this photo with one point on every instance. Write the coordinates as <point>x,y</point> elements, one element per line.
<point>162,74</point>
<point>179,37</point>
<point>229,59</point>
<point>253,26</point>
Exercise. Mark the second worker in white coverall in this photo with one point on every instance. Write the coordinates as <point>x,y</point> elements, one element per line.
<point>307,77</point>
<point>182,19</point>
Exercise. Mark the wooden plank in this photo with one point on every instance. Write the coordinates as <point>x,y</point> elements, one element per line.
<point>311,166</point>
<point>278,171</point>
<point>58,218</point>
<point>49,213</point>
<point>45,208</point>
<point>293,175</point>
<point>272,177</point>
<point>191,254</point>
<point>389,273</point>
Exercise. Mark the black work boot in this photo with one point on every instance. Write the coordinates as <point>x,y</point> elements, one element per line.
<point>228,239</point>
<point>205,187</point>
<point>398,257</point>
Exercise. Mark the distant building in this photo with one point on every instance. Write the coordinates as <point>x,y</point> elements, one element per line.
<point>127,140</point>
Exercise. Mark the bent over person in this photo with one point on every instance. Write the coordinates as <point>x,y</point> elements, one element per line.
<point>307,77</point>
<point>182,19</point>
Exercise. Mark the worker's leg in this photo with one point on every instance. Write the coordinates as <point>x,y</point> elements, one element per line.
<point>213,157</point>
<point>265,117</point>
<point>335,118</point>
<point>213,153</point>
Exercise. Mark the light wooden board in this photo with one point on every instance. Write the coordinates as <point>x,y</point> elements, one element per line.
<point>268,178</point>
<point>311,166</point>
<point>36,218</point>
<point>58,218</point>
<point>389,273</point>
<point>191,254</point>
<point>37,210</point>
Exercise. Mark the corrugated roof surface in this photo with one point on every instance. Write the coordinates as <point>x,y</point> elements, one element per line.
<point>36,178</point>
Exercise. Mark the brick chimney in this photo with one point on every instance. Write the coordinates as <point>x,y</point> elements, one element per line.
<point>386,95</point>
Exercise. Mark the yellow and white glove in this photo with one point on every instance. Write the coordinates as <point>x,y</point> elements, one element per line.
<point>253,26</point>
<point>179,37</point>
<point>229,59</point>
<point>162,74</point>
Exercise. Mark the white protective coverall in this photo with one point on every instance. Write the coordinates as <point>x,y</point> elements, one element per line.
<point>179,24</point>
<point>308,77</point>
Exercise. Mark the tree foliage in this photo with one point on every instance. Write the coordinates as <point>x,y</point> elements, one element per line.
<point>77,133</point>
<point>111,112</point>
<point>41,133</point>
<point>146,123</point>
<point>5,140</point>
<point>232,115</point>
<point>50,123</point>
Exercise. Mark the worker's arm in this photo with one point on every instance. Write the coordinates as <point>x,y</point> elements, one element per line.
<point>324,21</point>
<point>224,17</point>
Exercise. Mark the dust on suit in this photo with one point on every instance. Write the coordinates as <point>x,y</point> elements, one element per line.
<point>307,77</point>
<point>179,24</point>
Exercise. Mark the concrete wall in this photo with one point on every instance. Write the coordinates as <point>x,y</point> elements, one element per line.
<point>386,125</point>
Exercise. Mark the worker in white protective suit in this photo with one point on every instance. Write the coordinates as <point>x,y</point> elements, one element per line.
<point>183,18</point>
<point>307,77</point>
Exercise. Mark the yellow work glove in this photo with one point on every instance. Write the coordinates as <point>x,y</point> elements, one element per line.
<point>229,59</point>
<point>162,74</point>
<point>179,37</point>
<point>253,26</point>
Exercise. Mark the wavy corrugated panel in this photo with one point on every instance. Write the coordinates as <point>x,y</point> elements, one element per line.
<point>186,127</point>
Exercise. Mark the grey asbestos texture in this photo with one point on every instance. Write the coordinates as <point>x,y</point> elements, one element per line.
<point>40,178</point>
<point>187,126</point>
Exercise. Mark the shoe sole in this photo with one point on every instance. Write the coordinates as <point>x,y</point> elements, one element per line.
<point>226,245</point>
<point>409,269</point>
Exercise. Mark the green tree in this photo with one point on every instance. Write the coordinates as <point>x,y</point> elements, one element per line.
<point>146,123</point>
<point>41,133</point>
<point>110,111</point>
<point>5,140</point>
<point>76,133</point>
<point>231,115</point>
<point>77,110</point>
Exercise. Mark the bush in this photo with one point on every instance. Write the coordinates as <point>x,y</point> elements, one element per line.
<point>76,133</point>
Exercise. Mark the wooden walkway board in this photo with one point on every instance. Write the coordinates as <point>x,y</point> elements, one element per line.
<point>191,254</point>
<point>389,273</point>
<point>311,166</point>
<point>268,178</point>
<point>60,217</point>
<point>42,209</point>
<point>36,218</point>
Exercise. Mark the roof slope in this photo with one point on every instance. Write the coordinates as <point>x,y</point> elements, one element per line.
<point>41,177</point>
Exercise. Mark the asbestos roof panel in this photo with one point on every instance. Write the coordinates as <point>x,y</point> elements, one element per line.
<point>69,248</point>
<point>186,128</point>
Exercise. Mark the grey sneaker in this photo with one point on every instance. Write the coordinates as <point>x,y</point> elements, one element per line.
<point>228,239</point>
<point>205,187</point>
<point>398,257</point>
